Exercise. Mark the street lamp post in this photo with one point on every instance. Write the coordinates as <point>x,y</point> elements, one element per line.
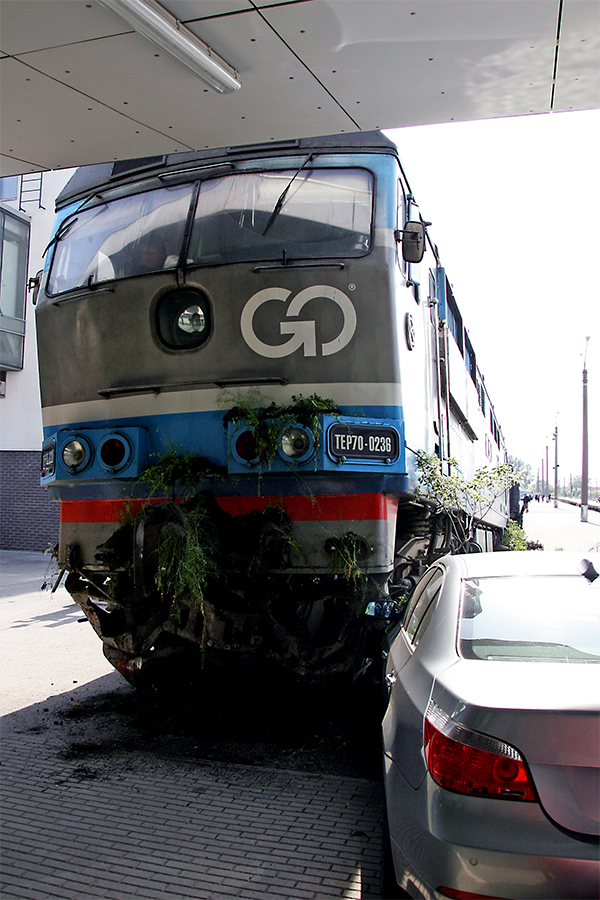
<point>555,439</point>
<point>543,490</point>
<point>584,453</point>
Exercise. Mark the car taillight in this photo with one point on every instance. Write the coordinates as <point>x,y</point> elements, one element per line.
<point>468,762</point>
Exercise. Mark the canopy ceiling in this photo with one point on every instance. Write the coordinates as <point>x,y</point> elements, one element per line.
<point>79,86</point>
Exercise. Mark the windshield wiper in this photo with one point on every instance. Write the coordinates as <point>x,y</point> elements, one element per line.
<point>67,223</point>
<point>60,232</point>
<point>283,195</point>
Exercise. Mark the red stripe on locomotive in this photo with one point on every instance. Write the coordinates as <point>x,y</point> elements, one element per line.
<point>314,508</point>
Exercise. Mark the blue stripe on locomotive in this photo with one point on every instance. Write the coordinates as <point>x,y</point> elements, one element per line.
<point>203,434</point>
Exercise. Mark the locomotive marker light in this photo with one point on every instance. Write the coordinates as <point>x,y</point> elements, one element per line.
<point>296,444</point>
<point>303,333</point>
<point>244,447</point>
<point>76,454</point>
<point>115,452</point>
<point>94,454</point>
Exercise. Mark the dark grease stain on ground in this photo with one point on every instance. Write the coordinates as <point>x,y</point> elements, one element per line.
<point>261,719</point>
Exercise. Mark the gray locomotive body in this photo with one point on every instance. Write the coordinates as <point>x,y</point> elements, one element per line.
<point>237,362</point>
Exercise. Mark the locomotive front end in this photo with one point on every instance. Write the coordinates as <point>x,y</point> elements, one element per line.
<point>223,421</point>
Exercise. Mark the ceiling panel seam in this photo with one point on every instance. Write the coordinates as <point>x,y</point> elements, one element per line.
<point>556,49</point>
<point>213,16</point>
<point>243,12</point>
<point>302,63</point>
<point>102,103</point>
<point>93,40</point>
<point>28,162</point>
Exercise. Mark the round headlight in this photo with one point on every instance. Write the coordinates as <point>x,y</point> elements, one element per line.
<point>192,319</point>
<point>183,320</point>
<point>74,454</point>
<point>295,443</point>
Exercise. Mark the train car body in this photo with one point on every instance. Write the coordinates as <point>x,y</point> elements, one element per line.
<point>249,313</point>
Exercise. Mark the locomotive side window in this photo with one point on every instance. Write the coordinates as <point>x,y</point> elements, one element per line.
<point>129,236</point>
<point>268,215</point>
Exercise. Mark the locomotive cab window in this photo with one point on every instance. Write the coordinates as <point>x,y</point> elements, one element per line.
<point>129,236</point>
<point>314,213</point>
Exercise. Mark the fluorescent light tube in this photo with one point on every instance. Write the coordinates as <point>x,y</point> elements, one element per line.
<point>155,23</point>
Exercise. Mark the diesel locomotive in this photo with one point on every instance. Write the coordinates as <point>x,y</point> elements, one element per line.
<point>242,354</point>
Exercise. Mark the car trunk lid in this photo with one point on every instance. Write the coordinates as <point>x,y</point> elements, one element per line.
<point>550,714</point>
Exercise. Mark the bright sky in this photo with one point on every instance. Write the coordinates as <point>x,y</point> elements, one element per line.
<point>515,210</point>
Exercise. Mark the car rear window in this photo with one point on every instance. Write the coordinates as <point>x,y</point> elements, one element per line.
<point>537,619</point>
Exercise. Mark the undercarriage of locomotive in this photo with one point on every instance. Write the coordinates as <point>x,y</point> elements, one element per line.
<point>189,584</point>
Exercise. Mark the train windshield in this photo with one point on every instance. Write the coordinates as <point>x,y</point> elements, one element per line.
<point>129,236</point>
<point>247,216</point>
<point>269,215</point>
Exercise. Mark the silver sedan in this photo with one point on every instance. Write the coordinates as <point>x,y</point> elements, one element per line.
<point>491,734</point>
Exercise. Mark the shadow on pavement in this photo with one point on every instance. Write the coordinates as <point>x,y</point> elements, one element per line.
<point>237,788</point>
<point>249,719</point>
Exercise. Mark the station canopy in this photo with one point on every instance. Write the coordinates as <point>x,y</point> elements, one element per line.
<point>80,84</point>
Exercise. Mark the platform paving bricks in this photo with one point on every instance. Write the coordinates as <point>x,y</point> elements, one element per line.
<point>146,827</point>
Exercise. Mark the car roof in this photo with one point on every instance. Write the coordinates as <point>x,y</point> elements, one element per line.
<point>520,563</point>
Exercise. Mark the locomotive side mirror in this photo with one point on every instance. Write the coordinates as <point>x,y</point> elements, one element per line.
<point>34,285</point>
<point>413,241</point>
